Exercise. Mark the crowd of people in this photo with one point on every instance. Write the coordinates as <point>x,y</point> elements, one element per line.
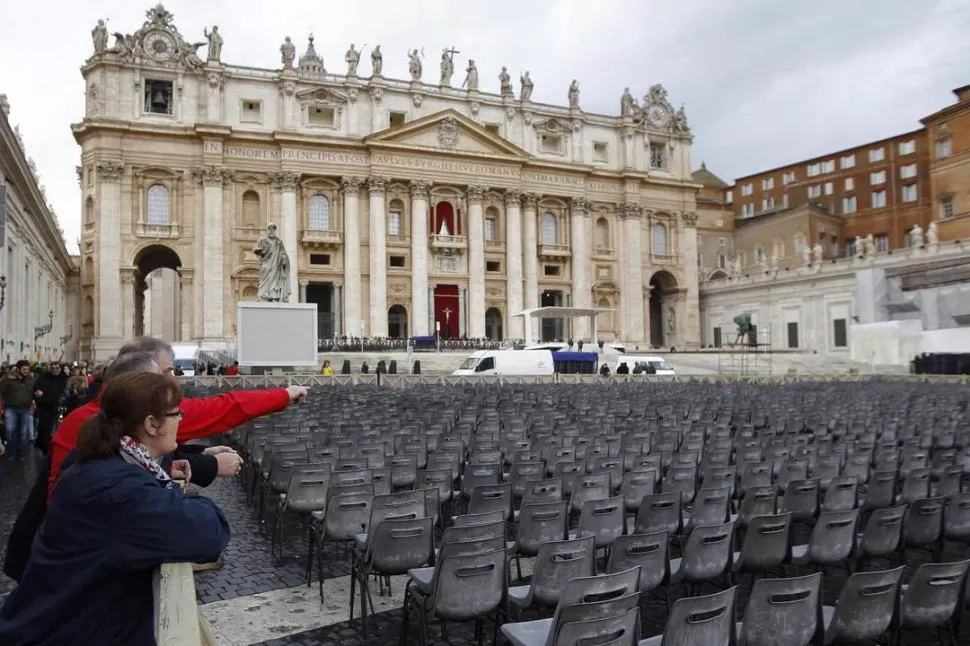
<point>386,344</point>
<point>108,505</point>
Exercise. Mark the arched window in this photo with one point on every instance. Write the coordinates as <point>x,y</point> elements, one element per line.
<point>603,233</point>
<point>319,214</point>
<point>159,205</point>
<point>799,243</point>
<point>660,246</point>
<point>89,210</point>
<point>550,233</point>
<point>778,248</point>
<point>250,209</point>
<point>759,253</point>
<point>395,220</point>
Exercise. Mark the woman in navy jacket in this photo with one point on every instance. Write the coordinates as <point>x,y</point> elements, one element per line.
<point>115,516</point>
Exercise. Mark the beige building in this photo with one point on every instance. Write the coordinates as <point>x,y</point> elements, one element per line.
<point>38,279</point>
<point>406,206</point>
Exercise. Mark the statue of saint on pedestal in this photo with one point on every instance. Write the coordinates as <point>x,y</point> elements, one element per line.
<point>376,61</point>
<point>274,268</point>
<point>100,37</point>
<point>471,77</point>
<point>932,234</point>
<point>288,50</point>
<point>574,94</point>
<point>215,42</point>
<point>527,85</point>
<point>415,66</point>
<point>353,59</point>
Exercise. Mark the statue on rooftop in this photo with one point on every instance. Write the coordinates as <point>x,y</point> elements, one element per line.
<point>415,66</point>
<point>353,59</point>
<point>288,51</point>
<point>574,94</point>
<point>215,42</point>
<point>526,93</point>
<point>471,76</point>
<point>447,66</point>
<point>505,81</point>
<point>376,61</point>
<point>100,37</point>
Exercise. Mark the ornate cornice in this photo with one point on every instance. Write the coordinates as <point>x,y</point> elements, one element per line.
<point>212,175</point>
<point>420,188</point>
<point>689,218</point>
<point>109,170</point>
<point>513,197</point>
<point>377,183</point>
<point>476,193</point>
<point>352,185</point>
<point>285,181</point>
<point>530,200</point>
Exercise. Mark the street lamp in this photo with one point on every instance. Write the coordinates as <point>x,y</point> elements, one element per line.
<point>67,337</point>
<point>41,330</point>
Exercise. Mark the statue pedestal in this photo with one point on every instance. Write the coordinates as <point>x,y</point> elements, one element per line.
<point>276,335</point>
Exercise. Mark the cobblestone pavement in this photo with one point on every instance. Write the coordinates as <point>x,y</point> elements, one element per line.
<point>250,576</point>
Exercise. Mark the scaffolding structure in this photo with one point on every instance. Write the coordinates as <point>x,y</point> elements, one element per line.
<point>744,357</point>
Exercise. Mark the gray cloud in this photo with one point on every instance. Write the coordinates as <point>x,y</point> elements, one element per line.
<point>765,81</point>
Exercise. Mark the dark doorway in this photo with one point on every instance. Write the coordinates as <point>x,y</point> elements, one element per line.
<point>322,295</point>
<point>717,337</point>
<point>793,335</point>
<point>444,222</point>
<point>397,322</point>
<point>656,314</point>
<point>552,329</point>
<point>446,311</point>
<point>153,258</point>
<point>493,324</point>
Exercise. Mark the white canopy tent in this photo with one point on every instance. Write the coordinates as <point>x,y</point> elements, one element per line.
<point>560,313</point>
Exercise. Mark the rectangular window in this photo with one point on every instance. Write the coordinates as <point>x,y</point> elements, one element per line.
<point>324,117</point>
<point>848,204</point>
<point>158,97</point>
<point>767,204</point>
<point>788,177</point>
<point>840,337</point>
<point>728,197</point>
<point>394,223</point>
<point>721,261</point>
<point>910,193</point>
<point>397,262</point>
<point>493,266</point>
<point>814,191</point>
<point>491,226</point>
<point>550,270</point>
<point>847,162</point>
<point>250,111</point>
<point>849,183</point>
<point>767,183</point>
<point>907,147</point>
<point>397,119</point>
<point>878,199</point>
<point>829,188</point>
<point>877,155</point>
<point>793,334</point>
<point>946,207</point>
<point>601,152</point>
<point>746,189</point>
<point>814,169</point>
<point>828,166</point>
<point>717,336</point>
<point>882,242</point>
<point>493,128</point>
<point>551,144</point>
<point>319,259</point>
<point>747,210</point>
<point>907,171</point>
<point>944,148</point>
<point>877,178</point>
<point>658,156</point>
<point>719,223</point>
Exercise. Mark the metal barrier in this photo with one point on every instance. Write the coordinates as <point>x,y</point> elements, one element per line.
<point>405,381</point>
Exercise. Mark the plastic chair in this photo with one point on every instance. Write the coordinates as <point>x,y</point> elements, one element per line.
<point>766,545</point>
<point>934,598</point>
<point>832,541</point>
<point>923,525</point>
<point>636,485</point>
<point>649,552</point>
<point>882,535</point>
<point>587,487</point>
<point>538,524</point>
<point>842,494</point>
<point>617,630</point>
<point>866,608</point>
<point>707,620</point>
<point>604,520</point>
<point>783,611</point>
<point>660,513</point>
<point>711,507</point>
<point>708,553</point>
<point>557,563</point>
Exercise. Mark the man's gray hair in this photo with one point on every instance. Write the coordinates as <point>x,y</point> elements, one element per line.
<point>131,362</point>
<point>148,344</point>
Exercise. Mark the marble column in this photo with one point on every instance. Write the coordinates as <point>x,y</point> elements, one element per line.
<point>431,321</point>
<point>303,286</point>
<point>530,257</point>
<point>108,267</point>
<point>632,295</point>
<point>214,97</point>
<point>337,307</point>
<point>186,300</point>
<point>476,262</point>
<point>579,263</point>
<point>128,286</point>
<point>351,189</point>
<point>289,226</point>
<point>462,313</point>
<point>691,329</point>
<point>419,258</point>
<point>378,257</point>
<point>287,89</point>
<point>212,179</point>
<point>513,265</point>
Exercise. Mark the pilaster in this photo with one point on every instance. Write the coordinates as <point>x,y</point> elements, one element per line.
<point>580,264</point>
<point>530,257</point>
<point>378,257</point>
<point>212,179</point>
<point>476,262</point>
<point>351,191</point>
<point>513,265</point>
<point>419,258</point>
<point>108,328</point>
<point>289,224</point>
<point>631,296</point>
<point>187,300</point>
<point>692,329</point>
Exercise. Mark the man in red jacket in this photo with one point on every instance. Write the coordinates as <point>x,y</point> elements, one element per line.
<point>202,417</point>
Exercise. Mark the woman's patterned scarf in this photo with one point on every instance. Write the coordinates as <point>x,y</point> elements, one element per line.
<point>133,452</point>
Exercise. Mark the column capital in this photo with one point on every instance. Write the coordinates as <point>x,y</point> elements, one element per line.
<point>628,210</point>
<point>513,197</point>
<point>689,218</point>
<point>351,185</point>
<point>285,181</point>
<point>377,183</point>
<point>530,200</point>
<point>109,170</point>
<point>212,175</point>
<point>578,205</point>
<point>476,192</point>
<point>420,188</point>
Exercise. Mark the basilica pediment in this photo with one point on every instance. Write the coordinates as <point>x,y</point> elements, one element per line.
<point>447,131</point>
<point>321,96</point>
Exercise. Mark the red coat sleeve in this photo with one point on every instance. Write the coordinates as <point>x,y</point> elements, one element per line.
<point>213,415</point>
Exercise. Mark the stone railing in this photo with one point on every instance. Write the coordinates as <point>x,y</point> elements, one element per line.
<point>177,618</point>
<point>404,381</point>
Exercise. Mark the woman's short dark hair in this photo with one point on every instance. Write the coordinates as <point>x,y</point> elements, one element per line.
<point>125,403</point>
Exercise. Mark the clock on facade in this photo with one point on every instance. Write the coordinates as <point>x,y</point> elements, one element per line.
<point>657,115</point>
<point>160,45</point>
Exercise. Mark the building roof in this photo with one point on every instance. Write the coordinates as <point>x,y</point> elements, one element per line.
<point>707,178</point>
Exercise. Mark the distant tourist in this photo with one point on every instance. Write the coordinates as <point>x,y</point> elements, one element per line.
<point>327,369</point>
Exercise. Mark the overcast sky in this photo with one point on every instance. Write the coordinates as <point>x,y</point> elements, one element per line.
<point>765,82</point>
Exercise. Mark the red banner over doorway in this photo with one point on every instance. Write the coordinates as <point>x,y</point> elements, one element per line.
<point>446,310</point>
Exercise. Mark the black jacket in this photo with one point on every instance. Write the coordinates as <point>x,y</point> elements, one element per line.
<point>53,388</point>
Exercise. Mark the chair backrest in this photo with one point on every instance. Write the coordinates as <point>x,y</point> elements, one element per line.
<point>440,479</point>
<point>396,506</point>
<point>801,499</point>
<point>547,490</point>
<point>842,494</point>
<point>344,478</point>
<point>833,536</point>
<point>783,611</point>
<point>539,523</point>
<point>636,485</point>
<point>711,507</point>
<point>866,607</point>
<point>473,532</point>
<point>596,597</point>
<point>881,490</point>
<point>495,497</point>
<point>480,474</point>
<point>589,486</point>
<point>757,501</point>
<point>618,630</point>
<point>766,543</point>
<point>708,620</point>
<point>660,513</point>
<point>883,532</point>
<point>956,519</point>
<point>396,546</point>
<point>557,563</point>
<point>936,591</point>
<point>473,520</point>
<point>603,519</point>
<point>709,552</point>
<point>347,515</point>
<point>924,521</point>
<point>916,484</point>
<point>648,551</point>
<point>469,586</point>
<point>522,473</point>
<point>306,492</point>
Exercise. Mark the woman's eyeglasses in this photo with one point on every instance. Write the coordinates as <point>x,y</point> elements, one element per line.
<point>178,414</point>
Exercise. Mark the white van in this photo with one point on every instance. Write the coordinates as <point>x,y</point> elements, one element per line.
<point>656,365</point>
<point>186,355</point>
<point>507,362</point>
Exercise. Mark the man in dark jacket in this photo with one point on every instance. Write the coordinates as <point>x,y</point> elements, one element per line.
<point>17,394</point>
<point>47,394</point>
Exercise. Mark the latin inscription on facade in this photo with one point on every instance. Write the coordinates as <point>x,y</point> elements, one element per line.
<point>603,187</point>
<point>554,180</point>
<point>291,154</point>
<point>446,166</point>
